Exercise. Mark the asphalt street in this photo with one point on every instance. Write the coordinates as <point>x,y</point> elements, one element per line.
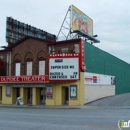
<point>61,119</point>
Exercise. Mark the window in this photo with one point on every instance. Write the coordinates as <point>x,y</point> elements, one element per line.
<point>17,69</point>
<point>41,67</point>
<point>76,48</point>
<point>52,49</point>
<point>49,50</point>
<point>29,68</point>
<point>64,49</point>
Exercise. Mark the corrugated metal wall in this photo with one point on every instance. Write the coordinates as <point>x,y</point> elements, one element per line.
<point>99,61</point>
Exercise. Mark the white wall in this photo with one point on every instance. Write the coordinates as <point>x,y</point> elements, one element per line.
<point>93,92</point>
<point>98,86</point>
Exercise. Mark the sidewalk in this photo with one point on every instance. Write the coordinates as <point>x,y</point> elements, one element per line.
<point>64,107</point>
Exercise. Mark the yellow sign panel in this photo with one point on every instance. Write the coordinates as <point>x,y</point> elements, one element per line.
<point>80,21</point>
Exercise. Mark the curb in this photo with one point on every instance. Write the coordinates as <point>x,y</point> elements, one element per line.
<point>64,107</point>
<point>39,107</point>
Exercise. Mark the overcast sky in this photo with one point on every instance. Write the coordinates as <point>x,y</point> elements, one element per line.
<point>111,20</point>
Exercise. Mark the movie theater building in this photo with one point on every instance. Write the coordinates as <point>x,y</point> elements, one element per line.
<point>41,71</point>
<point>50,73</point>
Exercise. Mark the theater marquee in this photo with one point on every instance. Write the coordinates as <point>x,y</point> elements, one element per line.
<point>64,67</point>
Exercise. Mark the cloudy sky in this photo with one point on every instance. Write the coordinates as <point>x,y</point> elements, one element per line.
<point>111,20</point>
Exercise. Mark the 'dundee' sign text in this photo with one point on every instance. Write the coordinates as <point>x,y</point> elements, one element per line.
<point>32,78</point>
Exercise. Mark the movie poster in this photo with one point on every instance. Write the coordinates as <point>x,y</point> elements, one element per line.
<point>8,90</point>
<point>49,91</point>
<point>73,91</point>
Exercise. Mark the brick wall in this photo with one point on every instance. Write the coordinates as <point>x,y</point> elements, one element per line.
<point>30,49</point>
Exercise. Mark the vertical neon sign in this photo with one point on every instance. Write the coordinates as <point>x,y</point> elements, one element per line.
<point>82,64</point>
